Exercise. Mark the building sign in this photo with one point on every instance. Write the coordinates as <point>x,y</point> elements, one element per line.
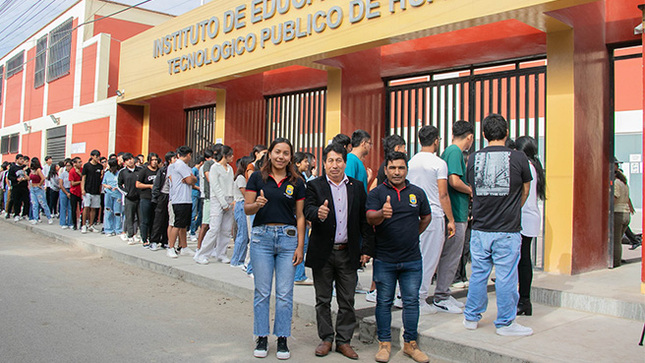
<point>226,39</point>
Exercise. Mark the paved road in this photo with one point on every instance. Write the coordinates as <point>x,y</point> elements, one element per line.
<point>61,304</point>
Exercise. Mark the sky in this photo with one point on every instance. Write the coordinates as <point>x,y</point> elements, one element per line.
<point>19,19</point>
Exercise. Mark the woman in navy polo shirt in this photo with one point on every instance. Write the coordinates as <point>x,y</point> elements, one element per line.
<point>275,194</point>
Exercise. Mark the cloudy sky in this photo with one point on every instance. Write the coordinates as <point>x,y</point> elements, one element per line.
<point>21,18</point>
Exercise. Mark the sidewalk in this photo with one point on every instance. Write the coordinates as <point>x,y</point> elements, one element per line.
<point>560,334</point>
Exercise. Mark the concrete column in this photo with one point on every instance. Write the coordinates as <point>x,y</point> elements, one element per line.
<point>220,115</point>
<point>334,96</point>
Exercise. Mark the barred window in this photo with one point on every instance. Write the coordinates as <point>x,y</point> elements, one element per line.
<point>9,144</point>
<point>41,57</point>
<point>14,65</point>
<point>60,50</point>
<point>13,143</point>
<point>1,82</point>
<point>4,145</point>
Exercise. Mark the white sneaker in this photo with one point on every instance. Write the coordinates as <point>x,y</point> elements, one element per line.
<point>446,306</point>
<point>124,237</point>
<point>514,329</point>
<point>131,241</point>
<point>136,238</point>
<point>470,325</point>
<point>241,266</point>
<point>224,259</point>
<point>63,227</point>
<point>16,218</point>
<point>371,296</point>
<point>456,302</point>
<point>305,282</point>
<point>50,221</point>
<point>398,302</point>
<point>83,229</point>
<point>193,238</point>
<point>459,285</point>
<point>426,309</point>
<point>91,229</point>
<point>154,246</point>
<point>170,252</point>
<point>203,260</point>
<point>33,221</point>
<point>185,251</point>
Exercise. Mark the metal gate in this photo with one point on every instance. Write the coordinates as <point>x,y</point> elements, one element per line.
<point>200,129</point>
<point>299,117</point>
<point>56,143</point>
<point>514,89</point>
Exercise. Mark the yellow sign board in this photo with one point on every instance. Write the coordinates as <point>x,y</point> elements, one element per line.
<point>226,39</point>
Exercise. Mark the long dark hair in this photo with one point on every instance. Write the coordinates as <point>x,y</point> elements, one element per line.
<point>35,164</point>
<point>620,176</point>
<point>52,171</point>
<point>266,169</point>
<point>529,146</point>
<point>242,163</point>
<point>113,165</point>
<point>222,152</point>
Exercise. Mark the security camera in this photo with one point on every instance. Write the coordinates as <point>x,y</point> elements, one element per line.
<point>55,120</point>
<point>120,92</point>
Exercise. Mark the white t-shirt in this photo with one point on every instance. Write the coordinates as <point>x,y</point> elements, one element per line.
<point>180,192</point>
<point>531,216</point>
<point>240,182</point>
<point>424,169</point>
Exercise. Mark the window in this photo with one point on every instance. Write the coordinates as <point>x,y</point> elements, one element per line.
<point>60,50</point>
<point>14,65</point>
<point>1,82</point>
<point>41,57</point>
<point>9,144</point>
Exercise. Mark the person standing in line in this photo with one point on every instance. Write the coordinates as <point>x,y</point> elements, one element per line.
<point>531,222</point>
<point>623,209</point>
<point>49,162</point>
<point>198,200</point>
<point>127,182</point>
<point>303,166</point>
<point>181,184</point>
<point>113,200</point>
<point>19,188</point>
<point>361,146</point>
<point>3,186</point>
<point>37,191</point>
<point>144,183</point>
<point>242,236</point>
<point>399,212</point>
<point>160,190</point>
<point>221,209</point>
<point>501,179</point>
<point>205,190</point>
<point>92,175</point>
<point>344,140</point>
<point>430,173</point>
<point>257,154</point>
<point>275,194</point>
<point>75,189</point>
<point>52,178</point>
<point>335,206</point>
<point>64,196</point>
<point>391,144</point>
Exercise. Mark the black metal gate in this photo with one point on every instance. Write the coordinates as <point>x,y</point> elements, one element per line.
<point>299,117</point>
<point>516,90</point>
<point>200,129</point>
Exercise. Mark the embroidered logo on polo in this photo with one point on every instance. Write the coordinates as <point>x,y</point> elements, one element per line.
<point>413,200</point>
<point>289,190</point>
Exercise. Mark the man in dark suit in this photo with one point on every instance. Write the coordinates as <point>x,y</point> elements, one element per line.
<point>335,205</point>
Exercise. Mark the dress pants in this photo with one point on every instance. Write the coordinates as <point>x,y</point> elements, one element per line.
<point>337,269</point>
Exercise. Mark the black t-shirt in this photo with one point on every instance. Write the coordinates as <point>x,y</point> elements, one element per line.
<point>146,176</point>
<point>93,177</point>
<point>496,174</point>
<point>397,238</point>
<point>380,175</point>
<point>281,196</point>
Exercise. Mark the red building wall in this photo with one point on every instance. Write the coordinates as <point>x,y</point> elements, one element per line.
<point>88,74</point>
<point>95,135</point>
<point>31,145</point>
<point>13,94</point>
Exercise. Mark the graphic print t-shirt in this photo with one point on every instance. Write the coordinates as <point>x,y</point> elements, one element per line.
<point>497,174</point>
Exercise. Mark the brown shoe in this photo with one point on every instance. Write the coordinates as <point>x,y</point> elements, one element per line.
<point>323,348</point>
<point>412,349</point>
<point>383,354</point>
<point>346,350</point>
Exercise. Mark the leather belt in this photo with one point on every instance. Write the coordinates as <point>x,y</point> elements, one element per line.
<point>340,246</point>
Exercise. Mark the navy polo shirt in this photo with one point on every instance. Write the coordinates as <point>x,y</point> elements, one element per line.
<point>397,238</point>
<point>281,195</point>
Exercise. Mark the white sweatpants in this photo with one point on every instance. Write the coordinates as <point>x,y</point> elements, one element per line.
<point>219,232</point>
<point>431,244</point>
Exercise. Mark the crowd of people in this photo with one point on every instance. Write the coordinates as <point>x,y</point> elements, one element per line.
<point>419,220</point>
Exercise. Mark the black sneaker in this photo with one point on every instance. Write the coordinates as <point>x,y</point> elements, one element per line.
<point>261,347</point>
<point>283,350</point>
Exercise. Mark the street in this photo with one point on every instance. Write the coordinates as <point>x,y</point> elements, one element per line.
<point>61,304</point>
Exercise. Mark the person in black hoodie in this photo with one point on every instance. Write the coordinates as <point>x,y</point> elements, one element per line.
<point>160,190</point>
<point>19,188</point>
<point>127,182</point>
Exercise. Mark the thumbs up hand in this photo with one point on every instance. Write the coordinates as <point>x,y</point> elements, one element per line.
<point>323,211</point>
<point>387,208</point>
<point>261,201</point>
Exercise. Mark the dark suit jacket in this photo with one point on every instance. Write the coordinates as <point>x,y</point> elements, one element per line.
<point>321,239</point>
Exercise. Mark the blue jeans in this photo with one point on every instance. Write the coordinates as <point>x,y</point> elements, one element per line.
<point>196,215</point>
<point>38,200</point>
<point>502,250</point>
<point>300,269</point>
<point>112,215</point>
<point>386,275</point>
<point>146,218</point>
<point>65,209</point>
<point>242,236</point>
<point>272,250</point>
<point>249,266</point>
